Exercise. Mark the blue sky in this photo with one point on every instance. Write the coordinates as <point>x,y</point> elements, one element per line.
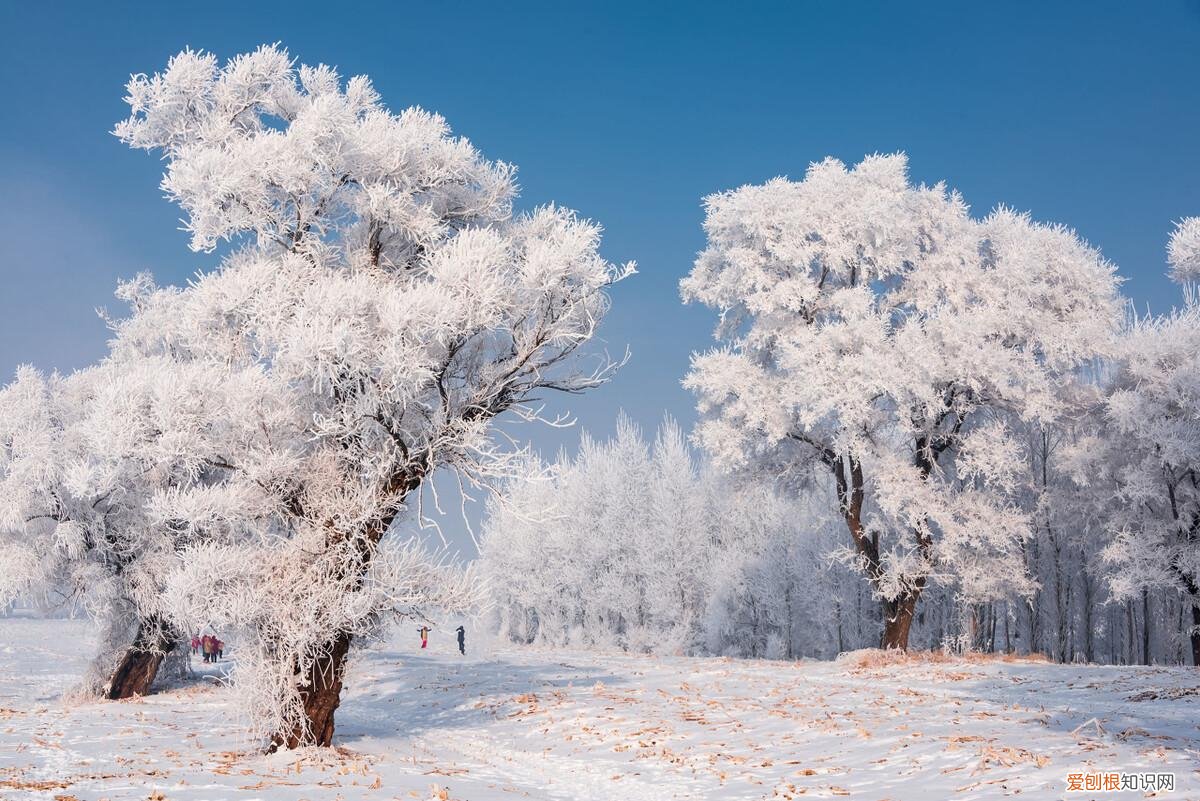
<point>1083,113</point>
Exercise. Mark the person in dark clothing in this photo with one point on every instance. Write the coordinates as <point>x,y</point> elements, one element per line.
<point>462,640</point>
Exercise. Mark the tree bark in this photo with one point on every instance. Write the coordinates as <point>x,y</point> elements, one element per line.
<point>1194,635</point>
<point>1089,596</point>
<point>136,671</point>
<point>321,691</point>
<point>321,688</point>
<point>897,614</point>
<point>1145,627</point>
<point>837,614</point>
<point>897,621</point>
<point>1129,634</point>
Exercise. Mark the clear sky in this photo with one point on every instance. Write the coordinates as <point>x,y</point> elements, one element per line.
<point>1085,113</point>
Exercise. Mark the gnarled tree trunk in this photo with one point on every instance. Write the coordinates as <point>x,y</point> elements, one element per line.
<point>321,688</point>
<point>321,691</point>
<point>137,669</point>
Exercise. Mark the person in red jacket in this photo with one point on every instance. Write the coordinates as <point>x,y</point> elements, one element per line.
<point>220,646</point>
<point>195,644</point>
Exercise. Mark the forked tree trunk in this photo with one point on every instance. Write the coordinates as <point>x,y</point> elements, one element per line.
<point>321,692</point>
<point>136,671</point>
<point>897,614</point>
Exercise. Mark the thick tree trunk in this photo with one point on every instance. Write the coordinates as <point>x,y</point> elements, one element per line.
<point>897,621</point>
<point>137,669</point>
<point>979,627</point>
<point>321,691</point>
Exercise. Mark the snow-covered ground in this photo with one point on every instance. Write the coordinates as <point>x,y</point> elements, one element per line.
<point>512,724</point>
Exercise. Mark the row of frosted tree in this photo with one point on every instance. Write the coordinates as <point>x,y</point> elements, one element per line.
<point>633,545</point>
<point>248,452</point>
<point>1008,458</point>
<point>636,546</point>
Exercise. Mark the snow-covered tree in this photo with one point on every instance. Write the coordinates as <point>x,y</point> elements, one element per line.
<point>1183,251</point>
<point>88,464</point>
<point>1137,467</point>
<point>878,338</point>
<point>1069,524</point>
<point>1148,455</point>
<point>393,305</point>
<point>562,553</point>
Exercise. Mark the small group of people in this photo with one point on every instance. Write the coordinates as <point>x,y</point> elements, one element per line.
<point>209,645</point>
<point>460,631</point>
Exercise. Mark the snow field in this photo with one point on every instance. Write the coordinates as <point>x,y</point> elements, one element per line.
<point>537,724</point>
